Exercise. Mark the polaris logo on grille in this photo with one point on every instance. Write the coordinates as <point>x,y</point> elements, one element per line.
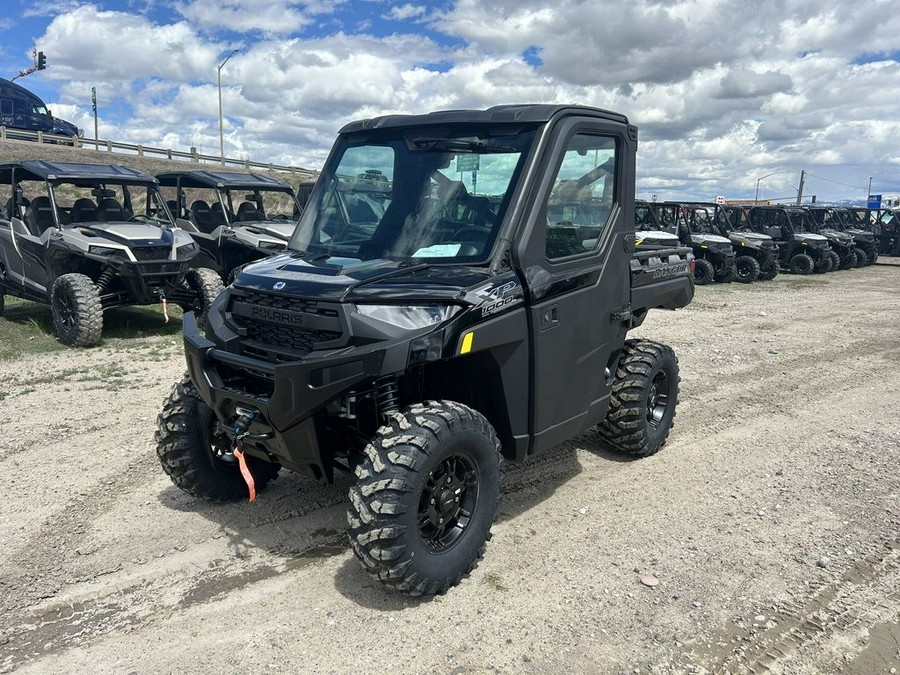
<point>278,285</point>
<point>275,315</point>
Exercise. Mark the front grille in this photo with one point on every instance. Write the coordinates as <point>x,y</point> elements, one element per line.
<point>151,252</point>
<point>275,333</point>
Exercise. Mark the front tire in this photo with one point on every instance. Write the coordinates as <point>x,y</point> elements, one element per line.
<point>770,272</point>
<point>76,310</point>
<point>861,258</point>
<point>206,285</point>
<point>746,269</point>
<point>428,486</point>
<point>704,272</point>
<point>197,455</point>
<point>643,399</point>
<point>873,256</point>
<point>801,264</point>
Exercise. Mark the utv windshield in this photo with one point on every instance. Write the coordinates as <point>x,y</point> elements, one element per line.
<point>108,203</point>
<point>800,222</point>
<point>700,221</point>
<point>424,195</point>
<point>253,206</point>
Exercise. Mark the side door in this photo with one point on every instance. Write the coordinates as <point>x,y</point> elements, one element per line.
<point>575,257</point>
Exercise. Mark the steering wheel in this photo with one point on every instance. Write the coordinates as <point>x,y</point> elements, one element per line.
<point>142,218</point>
<point>481,234</point>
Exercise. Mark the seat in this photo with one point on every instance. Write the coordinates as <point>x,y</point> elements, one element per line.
<point>23,204</point>
<point>83,211</point>
<point>247,212</point>
<point>110,211</point>
<point>39,216</point>
<point>217,215</point>
<point>200,216</point>
<point>172,205</point>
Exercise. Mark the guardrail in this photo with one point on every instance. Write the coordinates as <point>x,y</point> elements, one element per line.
<point>9,133</point>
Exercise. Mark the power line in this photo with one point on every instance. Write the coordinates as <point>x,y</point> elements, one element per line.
<point>855,187</point>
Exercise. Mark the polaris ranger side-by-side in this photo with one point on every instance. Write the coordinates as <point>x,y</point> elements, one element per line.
<point>756,254</point>
<point>235,218</point>
<point>800,250</point>
<point>713,254</point>
<point>826,222</point>
<point>473,314</point>
<point>857,222</point>
<point>88,237</point>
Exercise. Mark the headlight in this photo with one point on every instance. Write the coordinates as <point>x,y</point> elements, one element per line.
<point>104,250</point>
<point>410,317</point>
<point>189,246</point>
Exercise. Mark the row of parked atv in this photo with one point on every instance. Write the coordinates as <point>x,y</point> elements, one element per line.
<point>88,237</point>
<point>745,244</point>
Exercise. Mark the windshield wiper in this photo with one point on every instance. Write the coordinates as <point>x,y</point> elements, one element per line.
<point>459,145</point>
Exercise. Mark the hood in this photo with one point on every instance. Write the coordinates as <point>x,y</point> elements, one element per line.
<point>274,229</point>
<point>132,234</point>
<point>707,239</point>
<point>656,237</point>
<point>810,237</point>
<point>749,236</point>
<point>349,279</point>
<point>835,234</point>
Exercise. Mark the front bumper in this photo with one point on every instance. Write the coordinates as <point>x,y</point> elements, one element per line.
<point>288,399</point>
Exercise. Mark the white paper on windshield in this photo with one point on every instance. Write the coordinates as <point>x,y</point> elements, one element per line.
<point>437,251</point>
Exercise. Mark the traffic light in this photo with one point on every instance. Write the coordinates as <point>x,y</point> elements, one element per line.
<point>41,61</point>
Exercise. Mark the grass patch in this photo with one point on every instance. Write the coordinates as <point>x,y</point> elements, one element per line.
<point>495,581</point>
<point>27,328</point>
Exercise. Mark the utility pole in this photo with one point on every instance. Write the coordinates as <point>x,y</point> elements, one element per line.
<point>869,189</point>
<point>800,189</point>
<point>94,110</point>
<point>221,131</point>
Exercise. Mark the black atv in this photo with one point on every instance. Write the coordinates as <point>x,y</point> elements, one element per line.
<point>713,253</point>
<point>235,218</point>
<point>415,346</point>
<point>800,250</point>
<point>857,222</point>
<point>825,220</point>
<point>756,254</point>
<point>88,237</point>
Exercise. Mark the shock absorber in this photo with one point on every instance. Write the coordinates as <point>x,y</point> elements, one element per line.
<point>387,397</point>
<point>105,277</point>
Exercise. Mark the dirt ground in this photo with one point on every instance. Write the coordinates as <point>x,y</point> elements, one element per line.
<point>771,519</point>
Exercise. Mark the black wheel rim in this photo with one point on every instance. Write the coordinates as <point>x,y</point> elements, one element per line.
<point>221,449</point>
<point>65,310</point>
<point>448,502</point>
<point>658,399</point>
<point>743,270</point>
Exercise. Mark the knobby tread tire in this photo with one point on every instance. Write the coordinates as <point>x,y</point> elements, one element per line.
<point>802,264</point>
<point>873,256</point>
<point>750,265</point>
<point>382,516</point>
<point>85,300</point>
<point>704,272</point>
<point>207,284</point>
<point>626,427</point>
<point>835,261</point>
<point>182,445</point>
<point>770,272</point>
<point>861,258</point>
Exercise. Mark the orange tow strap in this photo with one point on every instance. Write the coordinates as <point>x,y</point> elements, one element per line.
<point>245,472</point>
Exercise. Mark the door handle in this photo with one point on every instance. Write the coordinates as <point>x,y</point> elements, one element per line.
<point>549,317</point>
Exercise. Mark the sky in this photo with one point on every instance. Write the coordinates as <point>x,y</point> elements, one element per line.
<point>724,92</point>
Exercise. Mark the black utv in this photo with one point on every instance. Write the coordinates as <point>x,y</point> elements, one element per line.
<point>474,317</point>
<point>801,250</point>
<point>886,228</point>
<point>756,254</point>
<point>857,222</point>
<point>713,253</point>
<point>826,221</point>
<point>235,218</point>
<point>88,237</point>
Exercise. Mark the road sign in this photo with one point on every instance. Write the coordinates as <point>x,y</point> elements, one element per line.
<point>467,163</point>
<point>720,199</point>
<point>874,202</point>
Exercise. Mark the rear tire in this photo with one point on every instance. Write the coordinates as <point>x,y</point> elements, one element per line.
<point>801,264</point>
<point>76,310</point>
<point>197,455</point>
<point>746,269</point>
<point>428,486</point>
<point>643,399</point>
<point>206,285</point>
<point>704,272</point>
<point>823,266</point>
<point>770,272</point>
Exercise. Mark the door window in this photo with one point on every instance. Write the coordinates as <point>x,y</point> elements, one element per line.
<point>582,196</point>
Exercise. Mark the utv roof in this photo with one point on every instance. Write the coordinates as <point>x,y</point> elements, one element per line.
<point>500,114</point>
<point>88,174</point>
<point>221,179</point>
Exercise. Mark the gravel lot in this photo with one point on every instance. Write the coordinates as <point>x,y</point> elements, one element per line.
<point>771,520</point>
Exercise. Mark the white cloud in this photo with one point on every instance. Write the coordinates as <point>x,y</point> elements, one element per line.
<point>245,16</point>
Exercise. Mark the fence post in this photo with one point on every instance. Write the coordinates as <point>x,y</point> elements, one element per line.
<point>140,150</point>
<point>169,154</point>
<point>194,157</point>
<point>40,136</point>
<point>108,146</point>
<point>2,133</point>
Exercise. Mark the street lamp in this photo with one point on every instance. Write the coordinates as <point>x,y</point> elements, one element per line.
<point>869,189</point>
<point>756,199</point>
<point>221,131</point>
